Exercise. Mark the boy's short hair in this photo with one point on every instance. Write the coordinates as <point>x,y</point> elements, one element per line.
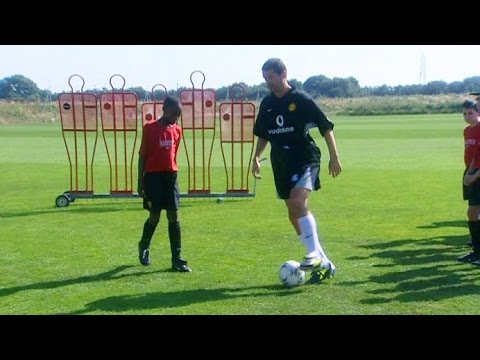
<point>171,102</point>
<point>470,104</point>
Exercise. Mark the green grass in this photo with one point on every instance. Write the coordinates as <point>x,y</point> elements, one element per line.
<point>393,222</point>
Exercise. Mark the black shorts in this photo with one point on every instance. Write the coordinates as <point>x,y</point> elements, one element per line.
<point>161,191</point>
<point>284,183</point>
<point>471,192</point>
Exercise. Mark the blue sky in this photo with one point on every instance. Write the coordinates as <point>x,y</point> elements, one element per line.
<point>50,66</point>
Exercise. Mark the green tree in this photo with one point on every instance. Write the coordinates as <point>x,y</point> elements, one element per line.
<point>298,84</point>
<point>472,83</point>
<point>318,85</point>
<point>18,87</point>
<point>436,87</point>
<point>456,87</point>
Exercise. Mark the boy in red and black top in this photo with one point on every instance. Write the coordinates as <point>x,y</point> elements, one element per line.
<point>157,180</point>
<point>471,184</point>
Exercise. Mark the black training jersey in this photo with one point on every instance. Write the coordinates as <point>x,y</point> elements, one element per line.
<point>285,123</point>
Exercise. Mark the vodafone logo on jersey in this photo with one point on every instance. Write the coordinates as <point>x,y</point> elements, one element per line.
<point>280,130</point>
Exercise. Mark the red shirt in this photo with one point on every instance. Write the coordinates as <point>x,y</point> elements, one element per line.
<point>159,146</point>
<point>471,135</point>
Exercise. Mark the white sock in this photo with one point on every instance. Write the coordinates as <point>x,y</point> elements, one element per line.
<point>309,236</point>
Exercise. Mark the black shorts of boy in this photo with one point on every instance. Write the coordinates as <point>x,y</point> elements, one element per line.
<point>161,191</point>
<point>472,192</point>
<point>308,178</point>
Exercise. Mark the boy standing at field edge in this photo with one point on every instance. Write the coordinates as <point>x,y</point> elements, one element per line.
<point>471,184</point>
<point>157,181</point>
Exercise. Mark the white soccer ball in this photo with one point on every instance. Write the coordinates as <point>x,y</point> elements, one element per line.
<point>290,274</point>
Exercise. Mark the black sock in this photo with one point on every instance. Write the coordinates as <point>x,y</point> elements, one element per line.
<point>175,236</point>
<point>474,227</point>
<point>148,230</point>
<point>471,228</point>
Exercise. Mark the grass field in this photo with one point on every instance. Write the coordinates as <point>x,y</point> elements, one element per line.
<point>393,223</point>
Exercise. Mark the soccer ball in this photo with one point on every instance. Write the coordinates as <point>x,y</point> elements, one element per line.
<point>290,274</point>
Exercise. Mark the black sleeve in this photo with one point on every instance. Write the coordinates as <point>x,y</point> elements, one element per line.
<point>318,117</point>
<point>258,128</point>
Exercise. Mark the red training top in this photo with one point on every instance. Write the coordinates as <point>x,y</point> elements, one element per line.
<point>471,134</point>
<point>160,145</point>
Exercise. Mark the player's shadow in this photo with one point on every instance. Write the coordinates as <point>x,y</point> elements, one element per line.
<point>159,299</point>
<point>441,224</point>
<point>105,276</point>
<point>75,210</point>
<point>422,270</point>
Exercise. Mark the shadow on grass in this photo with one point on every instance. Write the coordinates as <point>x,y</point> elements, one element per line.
<point>428,270</point>
<point>76,210</point>
<point>155,300</point>
<point>441,224</point>
<point>88,209</point>
<point>108,275</point>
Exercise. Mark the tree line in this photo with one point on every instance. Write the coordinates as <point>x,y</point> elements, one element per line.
<point>21,88</point>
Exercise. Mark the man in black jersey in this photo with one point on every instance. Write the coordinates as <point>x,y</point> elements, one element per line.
<point>284,120</point>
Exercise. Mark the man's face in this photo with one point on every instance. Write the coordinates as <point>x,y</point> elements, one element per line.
<point>172,114</point>
<point>470,116</point>
<point>273,80</point>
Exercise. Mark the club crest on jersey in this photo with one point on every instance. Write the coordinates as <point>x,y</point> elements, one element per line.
<point>292,107</point>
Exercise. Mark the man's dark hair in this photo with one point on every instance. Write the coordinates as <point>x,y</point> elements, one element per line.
<point>171,102</point>
<point>274,64</point>
<point>470,104</point>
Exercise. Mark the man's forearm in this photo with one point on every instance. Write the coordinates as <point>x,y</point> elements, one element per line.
<point>261,145</point>
<point>331,143</point>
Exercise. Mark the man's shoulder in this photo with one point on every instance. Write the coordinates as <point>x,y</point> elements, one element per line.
<point>178,128</point>
<point>472,130</point>
<point>149,124</point>
<point>266,100</point>
<point>300,94</point>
